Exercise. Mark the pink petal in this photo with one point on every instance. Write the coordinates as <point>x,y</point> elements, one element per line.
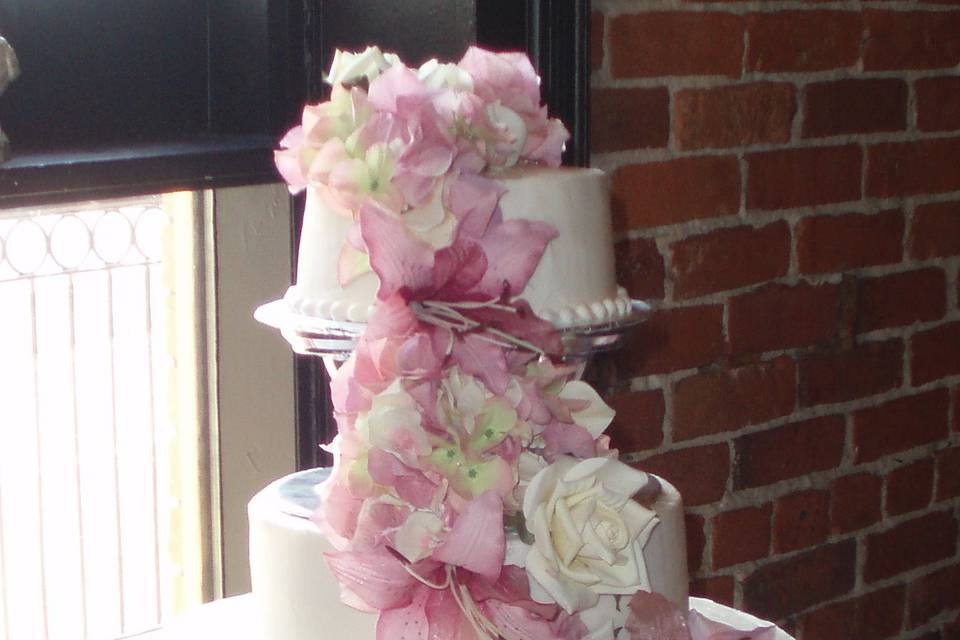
<point>458,269</point>
<point>376,519</point>
<point>339,512</point>
<point>513,251</point>
<point>483,360</point>
<point>569,627</point>
<point>403,263</point>
<point>288,165</point>
<point>375,576</point>
<point>445,618</point>
<point>507,76</point>
<point>522,323</point>
<point>416,489</point>
<point>477,542</point>
<point>384,467</point>
<point>391,318</point>
<point>397,81</point>
<point>428,158</point>
<point>416,189</point>
<point>546,146</point>
<point>653,617</point>
<point>346,392</point>
<point>330,154</point>
<point>473,200</point>
<point>351,265</point>
<point>561,438</point>
<point>406,623</point>
<point>518,622</point>
<point>531,406</point>
<point>513,586</point>
<point>416,357</point>
<point>411,485</point>
<point>292,139</point>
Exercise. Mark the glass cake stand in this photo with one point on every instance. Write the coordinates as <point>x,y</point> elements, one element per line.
<point>332,339</point>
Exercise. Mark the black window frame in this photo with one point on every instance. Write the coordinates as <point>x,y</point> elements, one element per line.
<point>295,42</point>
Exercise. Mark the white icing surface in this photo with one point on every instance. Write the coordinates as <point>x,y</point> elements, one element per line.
<point>297,598</point>
<point>574,284</point>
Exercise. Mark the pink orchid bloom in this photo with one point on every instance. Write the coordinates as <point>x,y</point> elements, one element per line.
<point>495,266</point>
<point>437,605</point>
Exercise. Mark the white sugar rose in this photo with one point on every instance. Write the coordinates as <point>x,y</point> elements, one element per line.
<point>588,532</point>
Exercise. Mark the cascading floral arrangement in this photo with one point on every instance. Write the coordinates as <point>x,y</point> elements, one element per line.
<point>473,493</point>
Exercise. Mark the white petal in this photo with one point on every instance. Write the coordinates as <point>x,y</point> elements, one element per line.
<point>571,596</point>
<point>597,416</point>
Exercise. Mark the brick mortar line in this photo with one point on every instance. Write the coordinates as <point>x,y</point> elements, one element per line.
<point>667,429</point>
<point>859,536</point>
<point>861,587</point>
<point>603,80</point>
<point>860,563</point>
<point>605,54</point>
<point>860,591</point>
<point>908,331</point>
<point>913,113</point>
<point>648,383</point>
<point>793,266</point>
<point>848,459</point>
<point>821,481</point>
<point>618,8</point>
<point>759,218</point>
<point>799,115</point>
<point>707,558</point>
<point>819,411</point>
<point>817,479</point>
<point>791,279</point>
<point>933,625</point>
<point>953,276</point>
<point>864,170</point>
<point>744,169</point>
<point>909,209</point>
<point>663,242</point>
<point>740,578</point>
<point>610,161</point>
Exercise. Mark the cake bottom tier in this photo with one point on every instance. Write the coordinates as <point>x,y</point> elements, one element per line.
<point>296,597</point>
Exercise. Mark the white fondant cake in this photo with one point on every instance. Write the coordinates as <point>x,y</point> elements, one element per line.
<point>574,284</point>
<point>297,598</point>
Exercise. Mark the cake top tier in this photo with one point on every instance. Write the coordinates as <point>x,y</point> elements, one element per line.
<point>441,155</point>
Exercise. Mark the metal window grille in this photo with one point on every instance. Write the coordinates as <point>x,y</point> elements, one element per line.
<point>85,430</point>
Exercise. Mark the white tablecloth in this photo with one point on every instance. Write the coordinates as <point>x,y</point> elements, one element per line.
<point>229,619</point>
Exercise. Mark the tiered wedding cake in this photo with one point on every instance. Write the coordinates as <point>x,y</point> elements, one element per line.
<point>473,494</point>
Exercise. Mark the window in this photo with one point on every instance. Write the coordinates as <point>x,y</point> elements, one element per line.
<point>94,511</point>
<point>133,98</point>
<point>113,386</point>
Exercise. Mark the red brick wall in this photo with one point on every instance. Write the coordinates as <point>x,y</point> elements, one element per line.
<point>787,196</point>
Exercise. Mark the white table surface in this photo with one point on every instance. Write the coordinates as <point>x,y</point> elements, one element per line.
<point>230,619</point>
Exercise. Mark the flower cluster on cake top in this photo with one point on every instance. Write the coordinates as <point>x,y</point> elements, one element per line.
<point>474,493</point>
